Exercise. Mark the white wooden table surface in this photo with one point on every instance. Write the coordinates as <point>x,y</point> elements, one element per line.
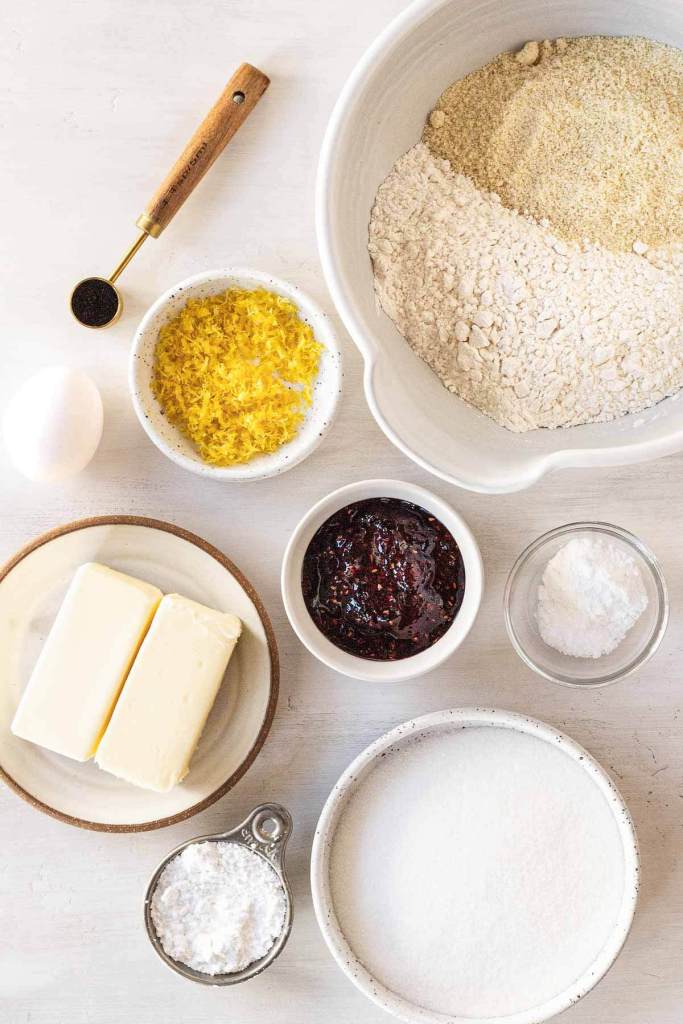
<point>96,98</point>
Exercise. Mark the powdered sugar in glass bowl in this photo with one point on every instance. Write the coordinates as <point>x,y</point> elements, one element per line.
<point>521,604</point>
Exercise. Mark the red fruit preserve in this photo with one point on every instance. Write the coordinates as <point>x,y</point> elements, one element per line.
<point>383,579</point>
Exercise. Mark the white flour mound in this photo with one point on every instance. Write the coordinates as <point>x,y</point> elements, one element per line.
<point>218,907</point>
<point>477,872</point>
<point>530,329</point>
<point>591,594</point>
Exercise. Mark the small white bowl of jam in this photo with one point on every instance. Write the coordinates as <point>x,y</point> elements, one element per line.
<point>382,580</point>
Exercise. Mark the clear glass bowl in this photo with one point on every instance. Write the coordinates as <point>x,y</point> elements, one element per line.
<point>521,597</point>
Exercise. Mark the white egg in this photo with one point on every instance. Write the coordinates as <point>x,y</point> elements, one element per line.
<point>53,425</point>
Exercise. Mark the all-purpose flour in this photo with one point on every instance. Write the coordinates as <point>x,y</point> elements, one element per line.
<point>530,329</point>
<point>477,872</point>
<point>218,907</point>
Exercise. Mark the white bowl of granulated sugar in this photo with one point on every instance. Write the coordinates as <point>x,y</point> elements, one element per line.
<point>474,865</point>
<point>380,115</point>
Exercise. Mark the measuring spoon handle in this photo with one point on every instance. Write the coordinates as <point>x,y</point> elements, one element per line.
<point>234,105</point>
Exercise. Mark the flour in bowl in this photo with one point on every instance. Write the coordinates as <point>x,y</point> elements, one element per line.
<point>532,330</point>
<point>477,872</point>
<point>530,248</point>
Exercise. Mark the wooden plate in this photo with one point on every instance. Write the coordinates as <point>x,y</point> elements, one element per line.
<point>32,586</point>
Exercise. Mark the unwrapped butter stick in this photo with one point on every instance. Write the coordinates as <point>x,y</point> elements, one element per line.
<point>169,693</point>
<point>79,674</point>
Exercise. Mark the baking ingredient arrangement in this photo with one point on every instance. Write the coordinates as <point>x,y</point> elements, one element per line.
<point>529,248</point>
<point>555,299</point>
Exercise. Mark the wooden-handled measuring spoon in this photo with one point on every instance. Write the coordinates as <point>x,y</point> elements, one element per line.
<point>95,301</point>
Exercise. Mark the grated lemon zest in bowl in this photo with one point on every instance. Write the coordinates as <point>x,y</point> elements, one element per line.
<point>235,373</point>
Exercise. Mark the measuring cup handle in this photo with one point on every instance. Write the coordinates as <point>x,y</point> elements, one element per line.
<point>237,101</point>
<point>267,829</point>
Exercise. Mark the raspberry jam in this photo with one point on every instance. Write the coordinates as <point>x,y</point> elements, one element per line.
<point>383,579</point>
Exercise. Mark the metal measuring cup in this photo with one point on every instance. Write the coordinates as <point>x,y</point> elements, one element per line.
<point>265,832</point>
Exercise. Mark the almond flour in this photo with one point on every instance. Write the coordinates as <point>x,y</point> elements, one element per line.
<point>585,132</point>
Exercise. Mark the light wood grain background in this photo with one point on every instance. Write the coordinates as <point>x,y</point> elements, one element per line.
<point>97,97</point>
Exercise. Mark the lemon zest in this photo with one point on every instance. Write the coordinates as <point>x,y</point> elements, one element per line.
<point>235,373</point>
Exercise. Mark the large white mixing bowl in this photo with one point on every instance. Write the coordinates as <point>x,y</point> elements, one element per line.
<point>379,115</point>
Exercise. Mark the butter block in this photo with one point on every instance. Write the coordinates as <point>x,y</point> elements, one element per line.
<point>169,693</point>
<point>84,662</point>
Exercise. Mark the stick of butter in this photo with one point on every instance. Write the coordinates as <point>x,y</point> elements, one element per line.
<point>169,692</point>
<point>84,662</point>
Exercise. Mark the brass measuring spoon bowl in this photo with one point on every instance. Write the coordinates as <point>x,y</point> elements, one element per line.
<point>265,832</point>
<point>103,292</point>
<point>99,294</point>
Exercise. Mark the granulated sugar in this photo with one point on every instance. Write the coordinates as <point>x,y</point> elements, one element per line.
<point>591,594</point>
<point>530,329</point>
<point>477,872</point>
<point>218,907</point>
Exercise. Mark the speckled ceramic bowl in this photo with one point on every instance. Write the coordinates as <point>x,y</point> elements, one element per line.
<point>352,780</point>
<point>168,438</point>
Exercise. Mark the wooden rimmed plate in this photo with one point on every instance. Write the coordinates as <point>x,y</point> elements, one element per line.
<point>32,585</point>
